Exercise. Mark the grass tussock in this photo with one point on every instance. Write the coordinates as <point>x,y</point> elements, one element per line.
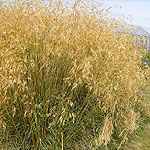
<point>68,79</point>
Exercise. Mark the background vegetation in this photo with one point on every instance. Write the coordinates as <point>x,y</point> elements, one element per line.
<point>68,79</point>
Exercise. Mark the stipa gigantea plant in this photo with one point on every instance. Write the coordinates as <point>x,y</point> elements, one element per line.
<point>66,75</point>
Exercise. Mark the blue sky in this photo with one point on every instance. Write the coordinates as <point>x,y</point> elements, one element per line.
<point>137,11</point>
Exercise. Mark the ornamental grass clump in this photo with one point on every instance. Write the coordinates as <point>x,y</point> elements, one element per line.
<point>68,79</point>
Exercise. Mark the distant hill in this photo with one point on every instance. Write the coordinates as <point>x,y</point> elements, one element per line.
<point>147,29</point>
<point>143,31</point>
<point>139,32</point>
